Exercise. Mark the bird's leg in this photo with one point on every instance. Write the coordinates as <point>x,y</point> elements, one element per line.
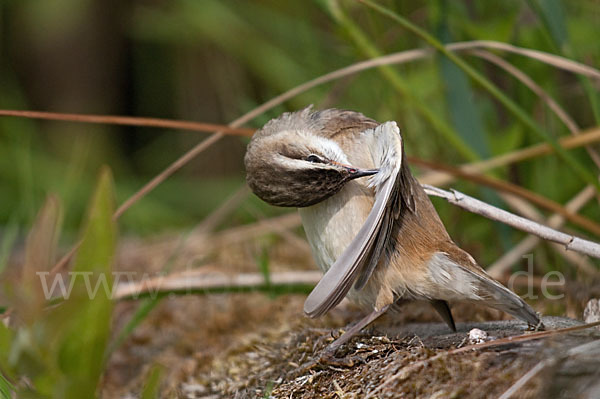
<point>328,354</point>
<point>444,311</point>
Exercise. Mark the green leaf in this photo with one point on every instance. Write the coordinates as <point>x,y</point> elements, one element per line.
<point>8,241</point>
<point>40,253</point>
<point>466,115</point>
<point>263,265</point>
<point>152,386</point>
<point>7,337</point>
<point>6,388</point>
<point>85,316</point>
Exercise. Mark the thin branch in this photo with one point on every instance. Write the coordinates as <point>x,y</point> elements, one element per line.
<point>528,376</point>
<point>64,261</point>
<point>581,262</point>
<point>541,93</point>
<point>162,176</point>
<point>518,191</point>
<point>440,178</point>
<point>525,209</point>
<point>527,244</point>
<point>232,203</point>
<point>491,212</point>
<point>547,58</point>
<point>200,280</point>
<point>286,234</point>
<point>240,233</point>
<point>550,362</point>
<point>129,121</point>
<point>530,83</point>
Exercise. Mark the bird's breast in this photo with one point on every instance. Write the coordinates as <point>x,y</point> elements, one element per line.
<point>332,224</point>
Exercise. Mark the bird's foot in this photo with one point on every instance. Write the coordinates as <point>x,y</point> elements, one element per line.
<point>328,358</point>
<point>538,327</point>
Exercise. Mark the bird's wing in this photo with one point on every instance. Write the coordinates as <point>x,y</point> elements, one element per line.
<point>400,200</point>
<point>362,255</point>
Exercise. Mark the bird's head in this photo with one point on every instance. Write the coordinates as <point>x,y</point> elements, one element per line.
<point>289,164</point>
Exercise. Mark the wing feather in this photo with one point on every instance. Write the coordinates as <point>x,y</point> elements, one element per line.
<point>358,261</point>
<point>338,280</point>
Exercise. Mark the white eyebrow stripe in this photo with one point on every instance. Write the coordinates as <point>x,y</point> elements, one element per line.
<point>292,163</point>
<point>327,147</point>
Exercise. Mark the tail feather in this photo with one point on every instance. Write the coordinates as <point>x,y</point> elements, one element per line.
<point>499,297</point>
<point>458,277</point>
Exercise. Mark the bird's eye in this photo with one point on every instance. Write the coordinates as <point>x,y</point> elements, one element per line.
<point>314,158</point>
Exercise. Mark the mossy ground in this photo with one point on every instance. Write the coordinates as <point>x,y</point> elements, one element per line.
<point>249,345</point>
<point>254,345</point>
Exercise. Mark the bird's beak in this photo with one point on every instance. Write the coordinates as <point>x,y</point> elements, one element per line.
<point>356,173</point>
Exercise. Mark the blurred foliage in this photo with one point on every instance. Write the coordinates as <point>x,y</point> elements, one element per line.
<point>214,60</point>
<point>152,387</point>
<point>59,352</point>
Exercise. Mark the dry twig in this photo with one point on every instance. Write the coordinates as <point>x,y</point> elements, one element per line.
<point>551,362</point>
<point>491,212</point>
<point>201,280</point>
<point>128,121</point>
<point>504,186</point>
<point>442,178</point>
<point>527,244</point>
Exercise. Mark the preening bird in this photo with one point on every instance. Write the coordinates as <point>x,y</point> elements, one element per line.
<point>371,226</point>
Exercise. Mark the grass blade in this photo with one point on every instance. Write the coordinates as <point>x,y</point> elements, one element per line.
<point>466,115</point>
<point>144,308</point>
<point>369,49</point>
<point>85,317</point>
<point>583,173</point>
<point>40,254</point>
<point>152,385</point>
<point>8,240</point>
<point>6,388</point>
<point>551,13</point>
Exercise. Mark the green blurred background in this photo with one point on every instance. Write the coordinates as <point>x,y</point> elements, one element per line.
<point>213,60</point>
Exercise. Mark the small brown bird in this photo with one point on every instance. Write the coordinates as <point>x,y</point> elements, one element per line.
<point>378,240</point>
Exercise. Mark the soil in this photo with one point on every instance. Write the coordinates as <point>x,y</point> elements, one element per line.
<point>249,346</point>
<point>252,345</point>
